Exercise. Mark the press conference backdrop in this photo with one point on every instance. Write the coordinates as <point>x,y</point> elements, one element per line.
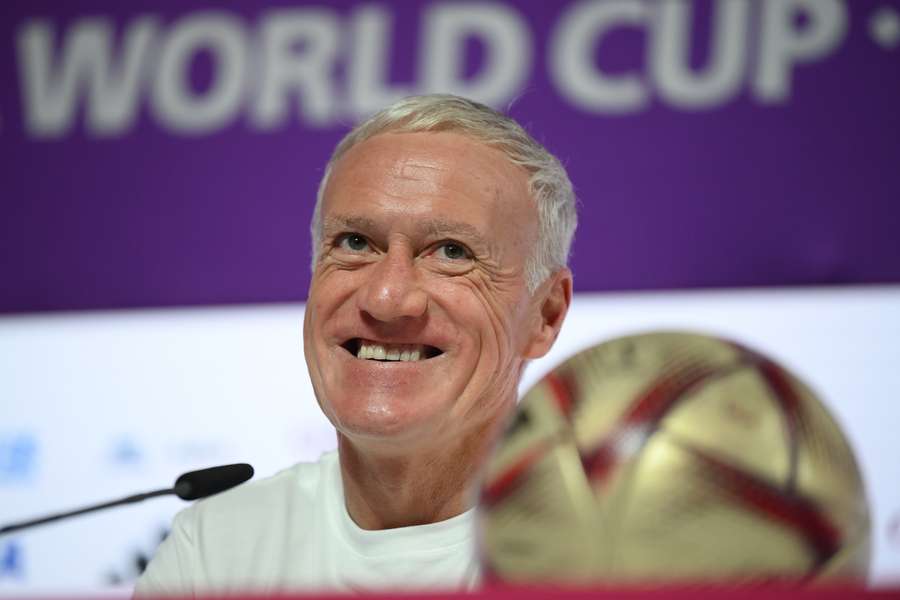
<point>736,163</point>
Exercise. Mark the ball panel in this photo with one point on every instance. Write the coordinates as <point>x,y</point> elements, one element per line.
<point>733,416</point>
<point>827,470</point>
<point>622,401</point>
<point>681,518</point>
<point>537,422</point>
<point>555,498</point>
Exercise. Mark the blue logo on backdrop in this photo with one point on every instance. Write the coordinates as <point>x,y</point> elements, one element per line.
<point>126,452</point>
<point>11,563</point>
<point>18,457</point>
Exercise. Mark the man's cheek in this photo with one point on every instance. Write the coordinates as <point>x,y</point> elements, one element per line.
<point>502,324</point>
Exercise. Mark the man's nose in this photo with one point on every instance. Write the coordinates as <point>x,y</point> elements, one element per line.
<point>393,290</point>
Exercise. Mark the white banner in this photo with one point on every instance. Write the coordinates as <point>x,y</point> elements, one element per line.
<point>101,405</point>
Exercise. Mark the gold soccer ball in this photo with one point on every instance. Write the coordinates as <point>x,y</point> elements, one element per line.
<point>672,458</point>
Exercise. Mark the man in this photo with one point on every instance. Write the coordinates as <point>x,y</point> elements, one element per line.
<point>440,238</point>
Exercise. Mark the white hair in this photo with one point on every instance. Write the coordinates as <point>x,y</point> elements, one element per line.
<point>548,183</point>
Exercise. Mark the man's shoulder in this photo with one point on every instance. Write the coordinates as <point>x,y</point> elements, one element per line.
<point>289,492</point>
<point>245,538</point>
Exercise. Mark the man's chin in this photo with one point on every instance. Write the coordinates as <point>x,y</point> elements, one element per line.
<point>393,424</point>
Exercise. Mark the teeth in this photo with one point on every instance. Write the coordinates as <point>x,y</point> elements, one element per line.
<point>404,352</point>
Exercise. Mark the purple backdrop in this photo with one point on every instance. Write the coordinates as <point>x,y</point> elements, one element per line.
<point>787,175</point>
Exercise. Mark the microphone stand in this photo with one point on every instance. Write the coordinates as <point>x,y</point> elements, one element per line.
<point>87,509</point>
<point>189,486</point>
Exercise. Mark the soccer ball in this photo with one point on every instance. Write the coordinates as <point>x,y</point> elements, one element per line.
<point>672,458</point>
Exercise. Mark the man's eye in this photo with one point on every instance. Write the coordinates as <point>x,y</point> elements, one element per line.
<point>353,242</point>
<point>453,251</point>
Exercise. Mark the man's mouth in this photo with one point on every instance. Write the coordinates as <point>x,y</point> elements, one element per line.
<point>383,351</point>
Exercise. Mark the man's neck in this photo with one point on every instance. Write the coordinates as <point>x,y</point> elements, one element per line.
<point>384,490</point>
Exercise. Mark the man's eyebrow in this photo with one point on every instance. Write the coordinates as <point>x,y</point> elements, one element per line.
<point>428,227</point>
<point>436,227</point>
<point>336,223</point>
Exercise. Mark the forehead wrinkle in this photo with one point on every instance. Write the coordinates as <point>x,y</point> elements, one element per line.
<point>413,168</point>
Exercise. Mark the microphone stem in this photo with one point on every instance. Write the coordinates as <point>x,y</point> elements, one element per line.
<point>81,511</point>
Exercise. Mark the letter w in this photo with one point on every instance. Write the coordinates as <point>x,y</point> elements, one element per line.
<point>51,92</point>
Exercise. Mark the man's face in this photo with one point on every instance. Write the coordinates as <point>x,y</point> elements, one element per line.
<point>419,319</point>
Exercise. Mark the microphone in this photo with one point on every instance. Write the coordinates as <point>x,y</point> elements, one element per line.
<point>189,486</point>
<point>206,482</point>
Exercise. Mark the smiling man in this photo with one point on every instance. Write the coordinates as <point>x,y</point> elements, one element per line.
<point>440,240</point>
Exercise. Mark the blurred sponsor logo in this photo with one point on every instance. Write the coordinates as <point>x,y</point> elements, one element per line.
<point>18,457</point>
<point>11,562</point>
<point>200,451</point>
<point>127,452</point>
<point>136,561</point>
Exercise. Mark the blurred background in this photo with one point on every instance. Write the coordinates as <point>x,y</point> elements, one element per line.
<point>737,164</point>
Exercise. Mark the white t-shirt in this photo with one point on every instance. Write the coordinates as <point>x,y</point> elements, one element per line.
<point>291,533</point>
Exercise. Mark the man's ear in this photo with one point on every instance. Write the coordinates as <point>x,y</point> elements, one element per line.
<point>554,297</point>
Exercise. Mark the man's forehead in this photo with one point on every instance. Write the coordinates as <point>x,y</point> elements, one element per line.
<point>440,158</point>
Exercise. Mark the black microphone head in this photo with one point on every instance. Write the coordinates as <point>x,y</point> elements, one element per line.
<point>206,482</point>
